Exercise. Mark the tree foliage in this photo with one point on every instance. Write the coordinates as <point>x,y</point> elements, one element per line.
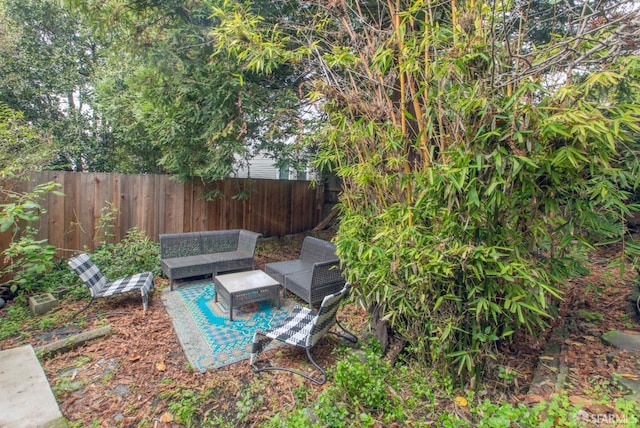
<point>133,87</point>
<point>46,60</point>
<point>161,88</point>
<point>480,160</point>
<point>20,149</point>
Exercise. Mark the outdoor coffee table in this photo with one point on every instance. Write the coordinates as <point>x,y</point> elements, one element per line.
<point>240,288</point>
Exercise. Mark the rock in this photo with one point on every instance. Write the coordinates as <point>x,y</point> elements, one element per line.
<point>121,391</point>
<point>630,383</point>
<point>1,303</point>
<point>621,340</point>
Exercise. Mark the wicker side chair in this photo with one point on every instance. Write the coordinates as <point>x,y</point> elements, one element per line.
<point>303,328</point>
<point>99,285</point>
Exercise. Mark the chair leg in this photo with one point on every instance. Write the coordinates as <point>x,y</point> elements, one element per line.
<point>347,336</point>
<point>324,374</point>
<point>82,310</point>
<point>317,381</point>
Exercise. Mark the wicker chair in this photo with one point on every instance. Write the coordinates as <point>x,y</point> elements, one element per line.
<point>302,328</point>
<point>100,286</point>
<point>315,274</point>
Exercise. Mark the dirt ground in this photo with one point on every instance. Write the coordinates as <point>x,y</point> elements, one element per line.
<point>131,377</point>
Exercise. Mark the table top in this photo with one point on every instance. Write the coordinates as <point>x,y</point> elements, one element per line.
<point>238,282</point>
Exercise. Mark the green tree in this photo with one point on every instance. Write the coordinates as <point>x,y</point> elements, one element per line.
<point>50,62</point>
<point>45,63</point>
<point>201,116</point>
<point>478,166</point>
<point>20,149</point>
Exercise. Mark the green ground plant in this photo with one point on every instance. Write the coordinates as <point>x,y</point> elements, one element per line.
<point>367,391</point>
<point>186,405</point>
<point>26,258</point>
<point>133,254</point>
<point>13,320</point>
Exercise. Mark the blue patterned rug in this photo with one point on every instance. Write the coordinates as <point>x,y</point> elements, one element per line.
<point>208,338</point>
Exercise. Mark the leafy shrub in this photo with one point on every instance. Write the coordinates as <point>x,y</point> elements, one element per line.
<point>364,390</point>
<point>27,258</point>
<point>363,380</point>
<point>135,253</point>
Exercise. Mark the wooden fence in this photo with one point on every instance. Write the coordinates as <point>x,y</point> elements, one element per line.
<point>157,204</point>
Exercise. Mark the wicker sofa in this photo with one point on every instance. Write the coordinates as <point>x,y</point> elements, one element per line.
<point>185,255</point>
<point>315,274</point>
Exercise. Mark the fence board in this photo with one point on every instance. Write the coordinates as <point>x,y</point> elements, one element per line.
<point>157,204</point>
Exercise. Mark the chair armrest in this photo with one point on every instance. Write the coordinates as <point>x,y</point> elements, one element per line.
<point>247,241</point>
<point>326,272</point>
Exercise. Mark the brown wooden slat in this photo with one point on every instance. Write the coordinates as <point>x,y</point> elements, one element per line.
<point>157,204</point>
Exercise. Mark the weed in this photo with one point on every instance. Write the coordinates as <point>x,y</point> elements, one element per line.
<point>218,422</point>
<point>503,415</point>
<point>507,373</point>
<point>81,360</point>
<point>106,223</point>
<point>134,253</point>
<point>65,385</point>
<point>108,377</point>
<point>301,393</point>
<point>166,381</point>
<point>15,316</point>
<point>557,411</point>
<point>48,322</point>
<point>592,317</point>
<point>629,410</point>
<point>248,402</point>
<point>298,418</point>
<point>80,424</point>
<point>185,406</point>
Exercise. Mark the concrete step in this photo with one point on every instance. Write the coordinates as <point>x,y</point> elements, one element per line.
<point>26,400</point>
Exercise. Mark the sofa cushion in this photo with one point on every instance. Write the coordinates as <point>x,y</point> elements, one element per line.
<point>230,260</point>
<point>184,267</point>
<point>278,270</point>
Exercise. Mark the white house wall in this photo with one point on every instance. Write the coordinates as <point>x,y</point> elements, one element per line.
<point>263,167</point>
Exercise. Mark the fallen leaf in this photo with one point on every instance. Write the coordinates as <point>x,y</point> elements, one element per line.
<point>134,358</point>
<point>630,376</point>
<point>166,417</point>
<point>579,401</point>
<point>461,401</point>
<point>160,366</point>
<point>532,398</point>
